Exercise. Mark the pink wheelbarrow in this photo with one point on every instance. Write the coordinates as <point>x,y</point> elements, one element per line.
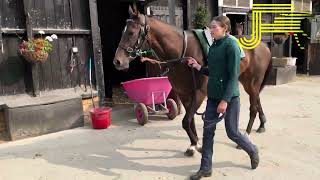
<point>150,95</point>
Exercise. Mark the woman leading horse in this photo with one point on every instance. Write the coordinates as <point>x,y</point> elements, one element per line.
<point>169,42</point>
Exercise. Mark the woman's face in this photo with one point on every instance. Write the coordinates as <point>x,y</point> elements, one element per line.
<point>217,31</point>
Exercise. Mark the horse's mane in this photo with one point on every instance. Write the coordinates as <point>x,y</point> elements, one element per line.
<point>174,28</point>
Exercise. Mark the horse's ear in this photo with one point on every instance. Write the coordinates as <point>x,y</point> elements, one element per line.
<point>133,10</point>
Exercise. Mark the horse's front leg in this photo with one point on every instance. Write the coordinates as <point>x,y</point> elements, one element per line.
<point>188,122</point>
<point>188,125</point>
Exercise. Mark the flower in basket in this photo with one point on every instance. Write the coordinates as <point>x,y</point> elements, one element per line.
<point>37,49</point>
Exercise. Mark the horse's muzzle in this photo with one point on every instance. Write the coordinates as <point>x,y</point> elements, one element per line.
<point>119,65</point>
<point>116,62</point>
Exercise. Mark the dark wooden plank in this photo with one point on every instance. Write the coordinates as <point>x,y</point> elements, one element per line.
<point>41,20</point>
<point>59,12</point>
<point>4,13</point>
<point>20,65</point>
<point>67,15</point>
<point>76,14</point>
<point>55,67</point>
<point>172,12</point>
<point>314,63</point>
<point>68,60</point>
<point>72,17</point>
<point>10,13</point>
<point>87,50</point>
<point>50,14</point>
<point>64,54</point>
<point>45,79</point>
<point>84,18</point>
<point>186,7</point>
<point>28,5</point>
<point>48,73</point>
<point>97,53</point>
<point>37,70</point>
<point>80,20</point>
<point>39,14</point>
<point>40,73</point>
<point>74,75</point>
<point>59,60</point>
<point>3,68</point>
<point>1,19</point>
<point>21,19</point>
<point>87,53</point>
<point>12,68</point>
<point>1,48</point>
<point>82,44</point>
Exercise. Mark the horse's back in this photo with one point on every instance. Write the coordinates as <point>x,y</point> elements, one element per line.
<point>256,64</point>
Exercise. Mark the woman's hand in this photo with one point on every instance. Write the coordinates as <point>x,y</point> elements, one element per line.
<point>222,107</point>
<point>143,59</point>
<point>193,63</point>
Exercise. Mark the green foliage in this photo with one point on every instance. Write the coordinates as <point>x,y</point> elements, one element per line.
<point>201,18</point>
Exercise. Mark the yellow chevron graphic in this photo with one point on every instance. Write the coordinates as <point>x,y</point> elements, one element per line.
<point>287,22</point>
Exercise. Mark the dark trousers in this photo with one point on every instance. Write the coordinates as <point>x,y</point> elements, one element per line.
<point>231,124</point>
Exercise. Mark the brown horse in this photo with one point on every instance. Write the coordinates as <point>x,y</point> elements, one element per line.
<point>168,42</point>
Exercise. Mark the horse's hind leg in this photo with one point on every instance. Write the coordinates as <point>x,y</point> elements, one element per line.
<point>253,112</point>
<point>262,117</point>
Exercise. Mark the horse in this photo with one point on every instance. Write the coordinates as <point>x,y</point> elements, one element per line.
<point>239,29</point>
<point>169,42</point>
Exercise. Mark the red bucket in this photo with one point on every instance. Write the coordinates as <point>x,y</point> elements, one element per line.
<point>101,117</point>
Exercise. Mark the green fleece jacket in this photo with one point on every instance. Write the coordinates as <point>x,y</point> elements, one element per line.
<point>223,69</point>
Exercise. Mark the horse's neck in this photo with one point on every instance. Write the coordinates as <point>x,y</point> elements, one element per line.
<point>165,39</point>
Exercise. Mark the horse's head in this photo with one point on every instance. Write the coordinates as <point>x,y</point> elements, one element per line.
<point>239,28</point>
<point>133,38</point>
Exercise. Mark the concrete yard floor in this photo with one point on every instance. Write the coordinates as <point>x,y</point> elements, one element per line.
<point>289,149</point>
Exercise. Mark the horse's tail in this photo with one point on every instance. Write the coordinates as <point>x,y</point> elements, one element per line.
<point>266,75</point>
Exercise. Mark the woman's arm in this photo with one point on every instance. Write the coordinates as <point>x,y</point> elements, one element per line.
<point>233,68</point>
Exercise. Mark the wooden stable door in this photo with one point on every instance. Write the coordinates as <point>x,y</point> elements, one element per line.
<point>23,19</point>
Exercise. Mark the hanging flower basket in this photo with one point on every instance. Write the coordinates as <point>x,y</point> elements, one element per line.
<point>37,50</point>
<point>33,56</point>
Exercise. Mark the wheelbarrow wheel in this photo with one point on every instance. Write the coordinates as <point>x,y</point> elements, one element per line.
<point>141,113</point>
<point>173,109</point>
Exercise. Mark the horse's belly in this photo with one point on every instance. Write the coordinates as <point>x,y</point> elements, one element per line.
<point>183,84</point>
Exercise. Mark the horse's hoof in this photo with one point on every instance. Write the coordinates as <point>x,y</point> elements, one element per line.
<point>189,152</point>
<point>199,149</point>
<point>238,147</point>
<point>261,130</point>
